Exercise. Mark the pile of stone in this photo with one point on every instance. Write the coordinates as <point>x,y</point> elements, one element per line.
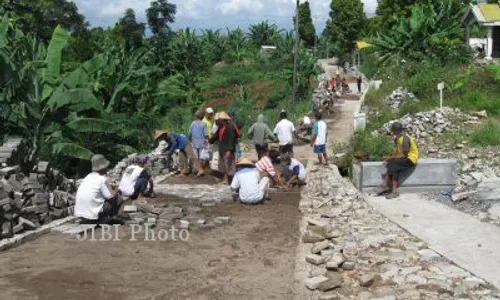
<point>434,122</point>
<point>29,201</point>
<point>398,97</point>
<point>157,165</point>
<point>183,215</point>
<point>356,253</point>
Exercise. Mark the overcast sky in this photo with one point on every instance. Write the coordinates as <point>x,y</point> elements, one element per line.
<point>205,14</point>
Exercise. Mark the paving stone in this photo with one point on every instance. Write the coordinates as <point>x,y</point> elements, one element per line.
<point>318,247</point>
<point>10,170</point>
<point>222,220</point>
<point>184,224</point>
<point>348,265</point>
<point>334,281</point>
<point>367,280</point>
<point>18,228</point>
<point>130,209</point>
<point>335,262</point>
<point>318,272</point>
<point>314,282</point>
<point>329,296</point>
<point>27,224</point>
<point>7,231</point>
<point>315,259</point>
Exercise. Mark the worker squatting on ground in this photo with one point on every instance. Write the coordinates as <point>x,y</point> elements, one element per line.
<point>96,202</point>
<point>293,171</point>
<point>135,180</point>
<point>260,133</point>
<point>266,168</point>
<point>251,187</point>
<point>319,139</point>
<point>404,157</point>
<point>285,131</point>
<point>198,135</point>
<point>227,136</point>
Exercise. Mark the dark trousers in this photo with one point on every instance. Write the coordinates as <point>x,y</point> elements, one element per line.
<point>260,150</point>
<point>110,209</point>
<point>287,149</point>
<point>140,187</point>
<point>399,168</point>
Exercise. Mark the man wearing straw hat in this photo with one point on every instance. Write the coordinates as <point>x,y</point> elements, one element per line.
<point>247,181</point>
<point>95,200</point>
<point>227,136</point>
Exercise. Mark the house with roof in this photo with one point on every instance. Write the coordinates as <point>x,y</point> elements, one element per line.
<point>486,15</point>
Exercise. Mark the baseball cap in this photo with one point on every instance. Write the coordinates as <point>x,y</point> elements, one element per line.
<point>209,110</point>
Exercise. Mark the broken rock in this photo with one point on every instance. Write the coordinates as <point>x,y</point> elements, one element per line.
<point>318,247</point>
<point>334,281</point>
<point>314,282</point>
<point>315,259</point>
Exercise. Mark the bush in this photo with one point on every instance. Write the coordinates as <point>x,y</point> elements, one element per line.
<point>476,100</point>
<point>274,99</point>
<point>488,135</point>
<point>366,147</point>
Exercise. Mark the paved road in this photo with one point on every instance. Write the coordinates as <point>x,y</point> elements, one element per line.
<point>466,241</point>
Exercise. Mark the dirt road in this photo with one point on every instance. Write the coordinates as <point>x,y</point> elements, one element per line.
<point>251,258</point>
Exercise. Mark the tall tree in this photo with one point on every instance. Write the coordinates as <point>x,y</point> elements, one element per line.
<point>307,32</point>
<point>159,15</point>
<point>131,31</point>
<point>346,23</point>
<point>42,16</point>
<point>263,33</point>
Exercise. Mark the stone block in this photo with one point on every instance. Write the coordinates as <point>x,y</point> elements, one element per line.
<point>334,281</point>
<point>7,230</point>
<point>27,224</point>
<point>10,170</point>
<point>130,209</point>
<point>315,259</point>
<point>5,201</point>
<point>318,247</point>
<point>40,198</point>
<point>18,228</point>
<point>7,208</point>
<point>184,224</point>
<point>42,167</point>
<point>59,213</point>
<point>429,175</point>
<point>222,220</point>
<point>314,282</point>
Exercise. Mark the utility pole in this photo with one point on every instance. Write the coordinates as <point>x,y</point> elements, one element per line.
<point>296,55</point>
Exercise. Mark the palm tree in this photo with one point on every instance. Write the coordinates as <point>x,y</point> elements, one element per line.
<point>263,34</point>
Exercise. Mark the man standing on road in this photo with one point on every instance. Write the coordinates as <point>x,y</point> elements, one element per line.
<point>285,132</point>
<point>319,139</point>
<point>135,180</point>
<point>198,135</point>
<point>209,120</point>
<point>360,82</point>
<point>260,132</point>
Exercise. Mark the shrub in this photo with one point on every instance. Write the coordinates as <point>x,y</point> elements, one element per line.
<point>274,99</point>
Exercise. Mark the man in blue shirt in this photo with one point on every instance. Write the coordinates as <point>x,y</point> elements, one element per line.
<point>176,142</point>
<point>198,135</point>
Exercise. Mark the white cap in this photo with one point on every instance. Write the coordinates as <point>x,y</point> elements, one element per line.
<point>209,110</point>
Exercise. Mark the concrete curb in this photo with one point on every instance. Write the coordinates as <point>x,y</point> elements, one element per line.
<point>19,239</point>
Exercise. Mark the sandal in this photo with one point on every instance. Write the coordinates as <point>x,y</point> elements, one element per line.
<point>392,196</point>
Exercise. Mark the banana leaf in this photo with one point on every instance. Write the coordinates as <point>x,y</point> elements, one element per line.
<point>54,53</point>
<point>92,125</point>
<point>72,150</point>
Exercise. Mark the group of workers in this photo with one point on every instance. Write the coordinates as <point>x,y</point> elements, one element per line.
<point>99,202</point>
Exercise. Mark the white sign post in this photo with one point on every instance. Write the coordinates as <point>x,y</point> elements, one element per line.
<point>441,88</point>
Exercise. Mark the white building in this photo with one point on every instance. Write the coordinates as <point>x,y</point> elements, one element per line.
<point>488,16</point>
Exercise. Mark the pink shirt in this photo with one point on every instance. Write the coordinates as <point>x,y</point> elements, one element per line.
<point>265,165</point>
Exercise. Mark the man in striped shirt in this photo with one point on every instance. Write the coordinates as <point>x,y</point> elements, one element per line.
<point>266,168</point>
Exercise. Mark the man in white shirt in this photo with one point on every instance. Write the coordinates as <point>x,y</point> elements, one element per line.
<point>320,133</point>
<point>293,171</point>
<point>247,181</point>
<point>135,179</point>
<point>285,131</point>
<point>95,201</point>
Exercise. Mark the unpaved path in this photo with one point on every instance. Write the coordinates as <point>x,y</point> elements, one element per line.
<point>251,258</point>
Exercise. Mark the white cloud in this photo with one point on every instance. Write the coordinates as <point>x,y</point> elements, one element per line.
<point>232,7</point>
<point>212,13</point>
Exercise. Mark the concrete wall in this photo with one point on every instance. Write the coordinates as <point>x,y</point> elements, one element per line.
<point>429,175</point>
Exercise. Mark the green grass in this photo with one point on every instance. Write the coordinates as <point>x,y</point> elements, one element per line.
<point>488,135</point>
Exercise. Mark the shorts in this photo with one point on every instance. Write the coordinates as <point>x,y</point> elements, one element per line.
<point>319,149</point>
<point>399,168</point>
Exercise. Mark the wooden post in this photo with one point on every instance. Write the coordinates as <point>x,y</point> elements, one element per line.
<point>296,55</point>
